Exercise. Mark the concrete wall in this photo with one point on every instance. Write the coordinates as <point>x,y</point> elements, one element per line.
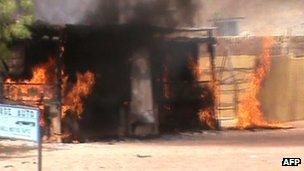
<point>282,95</point>
<point>261,17</point>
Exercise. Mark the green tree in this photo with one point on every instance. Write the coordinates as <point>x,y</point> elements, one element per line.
<point>15,17</point>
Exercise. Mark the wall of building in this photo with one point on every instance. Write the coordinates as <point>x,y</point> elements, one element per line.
<point>271,17</point>
<point>282,92</point>
<point>282,95</point>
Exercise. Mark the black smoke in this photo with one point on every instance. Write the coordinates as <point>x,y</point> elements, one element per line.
<point>169,13</point>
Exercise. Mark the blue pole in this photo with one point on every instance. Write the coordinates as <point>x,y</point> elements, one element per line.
<point>39,141</point>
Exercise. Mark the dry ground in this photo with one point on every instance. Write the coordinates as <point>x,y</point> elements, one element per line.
<point>225,150</point>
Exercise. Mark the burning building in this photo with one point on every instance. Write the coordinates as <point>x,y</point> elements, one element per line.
<point>124,71</point>
<point>137,68</point>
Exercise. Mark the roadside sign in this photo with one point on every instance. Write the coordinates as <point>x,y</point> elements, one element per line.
<point>21,122</point>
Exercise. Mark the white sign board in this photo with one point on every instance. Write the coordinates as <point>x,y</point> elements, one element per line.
<point>19,122</point>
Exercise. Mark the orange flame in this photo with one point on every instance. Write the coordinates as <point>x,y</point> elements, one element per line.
<point>74,99</point>
<point>207,113</point>
<point>31,90</point>
<point>41,87</point>
<point>207,116</point>
<point>250,114</point>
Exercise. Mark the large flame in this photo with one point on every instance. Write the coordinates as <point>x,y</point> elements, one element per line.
<point>74,99</point>
<point>34,89</point>
<point>41,87</point>
<point>250,114</point>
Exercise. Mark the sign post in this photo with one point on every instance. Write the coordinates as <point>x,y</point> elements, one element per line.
<point>21,122</point>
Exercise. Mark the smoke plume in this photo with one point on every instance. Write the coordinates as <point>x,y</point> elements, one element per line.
<point>102,12</point>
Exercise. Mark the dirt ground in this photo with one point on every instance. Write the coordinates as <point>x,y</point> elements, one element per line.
<point>206,150</point>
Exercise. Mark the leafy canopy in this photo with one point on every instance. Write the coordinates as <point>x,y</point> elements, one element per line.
<point>15,16</point>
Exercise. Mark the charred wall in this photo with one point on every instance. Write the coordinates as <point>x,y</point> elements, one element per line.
<point>109,53</point>
<point>178,93</point>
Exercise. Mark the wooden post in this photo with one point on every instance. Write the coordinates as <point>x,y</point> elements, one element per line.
<point>212,51</point>
<point>56,106</point>
<point>2,87</point>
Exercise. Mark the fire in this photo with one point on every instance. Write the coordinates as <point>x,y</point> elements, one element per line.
<point>41,87</point>
<point>207,116</point>
<point>207,113</point>
<point>250,114</point>
<point>31,90</point>
<point>74,99</point>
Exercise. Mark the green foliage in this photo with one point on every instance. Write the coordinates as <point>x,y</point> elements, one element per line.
<point>4,52</point>
<point>15,16</point>
<point>27,5</point>
<point>7,9</point>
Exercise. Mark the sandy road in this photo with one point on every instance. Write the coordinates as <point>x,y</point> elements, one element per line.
<point>225,150</point>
